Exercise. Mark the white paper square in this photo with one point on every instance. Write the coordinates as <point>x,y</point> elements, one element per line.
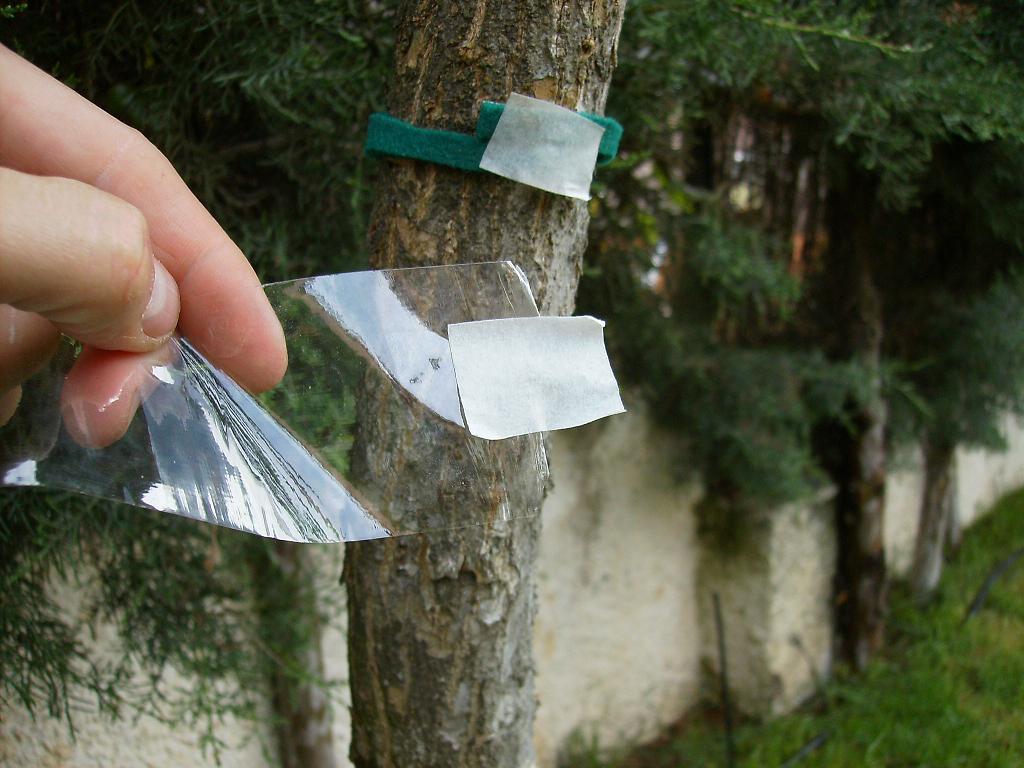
<point>532,374</point>
<point>545,146</point>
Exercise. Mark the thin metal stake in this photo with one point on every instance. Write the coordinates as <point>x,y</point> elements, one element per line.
<point>723,677</point>
<point>994,575</point>
<point>808,749</point>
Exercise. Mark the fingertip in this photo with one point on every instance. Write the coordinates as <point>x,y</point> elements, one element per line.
<point>9,402</point>
<point>98,400</point>
<point>226,315</point>
<point>88,426</point>
<point>262,360</point>
<point>274,359</point>
<point>103,391</point>
<point>256,359</point>
<point>161,314</point>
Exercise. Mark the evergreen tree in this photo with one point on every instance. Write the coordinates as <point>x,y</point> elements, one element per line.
<point>794,168</point>
<point>955,333</point>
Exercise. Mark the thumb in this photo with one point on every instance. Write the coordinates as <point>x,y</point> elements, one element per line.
<point>81,258</point>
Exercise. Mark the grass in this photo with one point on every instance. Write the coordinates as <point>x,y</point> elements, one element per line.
<point>946,693</point>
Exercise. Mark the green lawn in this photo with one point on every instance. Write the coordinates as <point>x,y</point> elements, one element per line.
<point>945,694</point>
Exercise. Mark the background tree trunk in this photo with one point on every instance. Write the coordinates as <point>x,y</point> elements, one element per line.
<point>862,577</point>
<point>440,624</point>
<point>301,706</point>
<point>867,512</point>
<point>936,518</point>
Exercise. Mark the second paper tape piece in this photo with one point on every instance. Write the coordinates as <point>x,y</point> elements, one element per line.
<point>532,374</point>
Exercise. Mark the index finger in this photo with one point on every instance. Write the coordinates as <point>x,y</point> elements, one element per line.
<point>48,129</point>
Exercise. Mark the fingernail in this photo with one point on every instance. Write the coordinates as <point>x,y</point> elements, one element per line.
<point>161,315</point>
<point>76,422</point>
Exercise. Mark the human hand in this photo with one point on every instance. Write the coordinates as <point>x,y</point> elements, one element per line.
<point>101,239</point>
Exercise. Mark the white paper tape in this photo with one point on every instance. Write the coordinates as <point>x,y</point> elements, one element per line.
<point>532,374</point>
<point>545,146</point>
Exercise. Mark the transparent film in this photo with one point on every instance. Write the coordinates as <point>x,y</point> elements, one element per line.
<point>370,400</point>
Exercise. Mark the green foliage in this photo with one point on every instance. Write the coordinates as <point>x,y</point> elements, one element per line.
<point>10,10</point>
<point>42,655</point>
<point>886,82</point>
<point>317,399</point>
<point>953,329</point>
<point>971,367</point>
<point>946,693</point>
<point>710,258</point>
<point>46,538</point>
<point>753,411</point>
<point>178,595</point>
<point>746,412</point>
<point>739,272</point>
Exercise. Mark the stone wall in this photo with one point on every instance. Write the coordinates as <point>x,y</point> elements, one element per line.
<point>775,592</point>
<point>142,742</point>
<point>617,642</point>
<point>625,637</point>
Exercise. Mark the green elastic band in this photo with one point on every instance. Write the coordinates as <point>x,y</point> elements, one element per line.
<point>388,136</point>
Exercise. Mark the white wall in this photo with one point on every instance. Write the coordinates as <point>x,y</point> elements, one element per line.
<point>904,487</point>
<point>141,743</point>
<point>146,743</point>
<point>983,477</point>
<point>980,478</point>
<point>775,591</point>
<point>616,640</point>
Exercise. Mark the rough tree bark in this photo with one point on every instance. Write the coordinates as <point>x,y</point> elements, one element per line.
<point>440,625</point>
<point>861,498</point>
<point>937,518</point>
<point>301,706</point>
<point>954,527</point>
<point>870,581</point>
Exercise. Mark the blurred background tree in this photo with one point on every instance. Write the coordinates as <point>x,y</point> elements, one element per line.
<point>806,247</point>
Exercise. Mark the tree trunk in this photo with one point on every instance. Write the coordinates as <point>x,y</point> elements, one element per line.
<point>866,521</point>
<point>861,499</point>
<point>869,579</point>
<point>954,527</point>
<point>287,603</point>
<point>935,521</point>
<point>440,624</point>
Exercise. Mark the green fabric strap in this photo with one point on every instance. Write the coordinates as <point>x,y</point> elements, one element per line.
<point>390,137</point>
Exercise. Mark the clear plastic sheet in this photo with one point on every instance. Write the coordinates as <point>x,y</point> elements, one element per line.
<point>369,363</point>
